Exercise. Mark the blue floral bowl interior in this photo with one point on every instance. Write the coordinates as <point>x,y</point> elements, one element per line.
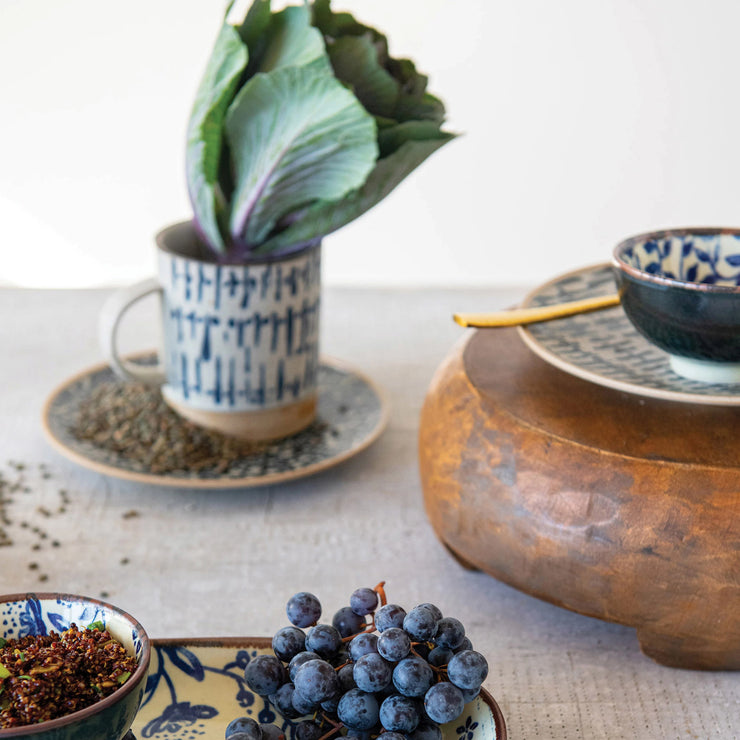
<point>681,290</point>
<point>694,256</point>
<point>38,614</point>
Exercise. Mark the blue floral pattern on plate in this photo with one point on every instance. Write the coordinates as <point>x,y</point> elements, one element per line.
<point>196,687</point>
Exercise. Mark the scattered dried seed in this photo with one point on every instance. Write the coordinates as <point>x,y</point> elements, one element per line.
<point>133,421</point>
<point>14,481</point>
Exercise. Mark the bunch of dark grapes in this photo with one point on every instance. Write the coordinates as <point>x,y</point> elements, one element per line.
<point>375,669</point>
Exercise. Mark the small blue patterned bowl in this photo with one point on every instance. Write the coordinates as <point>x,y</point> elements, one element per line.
<point>38,614</point>
<point>681,290</point>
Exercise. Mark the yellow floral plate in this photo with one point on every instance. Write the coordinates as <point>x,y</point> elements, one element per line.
<point>196,687</point>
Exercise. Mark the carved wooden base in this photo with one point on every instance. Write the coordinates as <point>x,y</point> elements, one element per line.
<point>606,503</point>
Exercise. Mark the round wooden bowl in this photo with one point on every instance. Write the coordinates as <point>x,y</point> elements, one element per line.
<point>609,504</point>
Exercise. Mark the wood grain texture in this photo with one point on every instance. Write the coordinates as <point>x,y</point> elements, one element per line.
<point>612,505</point>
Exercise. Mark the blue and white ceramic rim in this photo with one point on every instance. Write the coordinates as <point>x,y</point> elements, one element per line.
<point>631,258</point>
<point>37,613</point>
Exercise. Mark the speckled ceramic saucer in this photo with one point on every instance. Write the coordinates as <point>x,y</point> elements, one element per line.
<point>196,687</point>
<point>604,348</point>
<point>351,415</point>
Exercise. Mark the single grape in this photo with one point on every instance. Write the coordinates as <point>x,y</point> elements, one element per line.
<point>399,714</point>
<point>363,601</point>
<point>358,710</point>
<point>412,676</point>
<point>288,642</point>
<point>307,730</point>
<point>439,656</point>
<point>347,622</point>
<point>394,644</point>
<point>324,640</point>
<point>464,645</point>
<point>317,681</point>
<point>246,726</point>
<point>426,731</point>
<point>303,609</point>
<point>362,644</point>
<point>389,615</point>
<point>450,633</point>
<point>282,700</point>
<point>359,734</point>
<point>297,661</point>
<point>331,705</point>
<point>264,674</point>
<point>468,669</point>
<point>302,704</point>
<point>372,673</point>
<point>470,694</point>
<point>393,736</point>
<point>443,702</point>
<point>420,624</point>
<point>346,678</point>
<point>271,732</point>
<point>435,610</point>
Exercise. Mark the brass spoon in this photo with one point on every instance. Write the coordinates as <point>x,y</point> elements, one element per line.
<point>520,316</point>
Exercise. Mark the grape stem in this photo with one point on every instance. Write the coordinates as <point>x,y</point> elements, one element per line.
<point>370,628</point>
<point>441,671</point>
<point>381,593</point>
<point>335,727</point>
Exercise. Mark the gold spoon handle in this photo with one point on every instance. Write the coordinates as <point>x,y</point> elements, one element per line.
<point>519,316</point>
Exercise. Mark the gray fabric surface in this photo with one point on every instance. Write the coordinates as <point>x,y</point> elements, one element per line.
<point>216,563</point>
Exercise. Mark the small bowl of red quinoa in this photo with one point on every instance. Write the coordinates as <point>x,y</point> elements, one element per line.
<point>71,667</point>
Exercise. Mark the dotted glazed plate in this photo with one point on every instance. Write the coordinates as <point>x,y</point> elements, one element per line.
<point>603,347</point>
<point>196,687</point>
<point>351,415</point>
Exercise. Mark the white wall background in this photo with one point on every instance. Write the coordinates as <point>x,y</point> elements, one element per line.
<point>584,121</point>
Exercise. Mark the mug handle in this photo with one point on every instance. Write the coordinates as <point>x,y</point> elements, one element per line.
<point>110,317</point>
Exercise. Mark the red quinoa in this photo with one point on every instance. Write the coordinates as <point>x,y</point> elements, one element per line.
<point>45,677</point>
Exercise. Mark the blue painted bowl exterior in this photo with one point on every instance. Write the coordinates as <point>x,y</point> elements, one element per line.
<point>38,614</point>
<point>681,290</point>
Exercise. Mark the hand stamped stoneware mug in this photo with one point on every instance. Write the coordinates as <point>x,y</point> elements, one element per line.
<point>240,342</point>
